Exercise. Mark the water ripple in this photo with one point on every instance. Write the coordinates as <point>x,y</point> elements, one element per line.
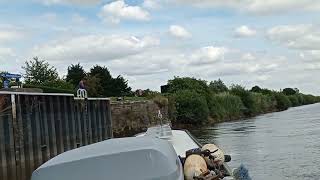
<point>282,145</point>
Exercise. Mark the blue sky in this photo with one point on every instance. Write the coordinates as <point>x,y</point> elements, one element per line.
<point>270,43</point>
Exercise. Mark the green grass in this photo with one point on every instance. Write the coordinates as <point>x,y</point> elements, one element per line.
<point>130,98</point>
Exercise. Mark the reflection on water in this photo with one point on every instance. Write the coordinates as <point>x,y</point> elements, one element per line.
<point>282,145</point>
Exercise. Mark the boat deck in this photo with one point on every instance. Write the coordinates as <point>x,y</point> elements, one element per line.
<point>181,141</point>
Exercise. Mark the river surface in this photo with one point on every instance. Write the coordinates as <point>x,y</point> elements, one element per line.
<point>277,146</point>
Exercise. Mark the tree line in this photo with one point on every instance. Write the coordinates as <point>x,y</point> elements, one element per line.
<point>98,81</point>
<point>195,101</point>
<point>189,100</point>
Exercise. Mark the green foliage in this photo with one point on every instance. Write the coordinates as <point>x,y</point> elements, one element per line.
<point>39,72</point>
<point>1,79</point>
<point>294,100</point>
<point>283,101</point>
<point>300,99</point>
<point>149,94</point>
<point>109,86</point>
<point>263,103</point>
<point>225,106</point>
<point>309,99</point>
<point>172,110</point>
<point>256,89</point>
<point>218,86</point>
<point>187,83</point>
<point>59,84</point>
<point>247,98</point>
<point>75,74</point>
<point>47,89</point>
<point>290,91</point>
<point>93,86</point>
<point>191,107</point>
<point>105,80</point>
<point>161,101</point>
<point>233,103</point>
<point>120,87</point>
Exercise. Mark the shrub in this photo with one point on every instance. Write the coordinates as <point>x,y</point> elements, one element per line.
<point>59,84</point>
<point>225,106</point>
<point>309,99</point>
<point>161,101</point>
<point>283,102</point>
<point>47,89</point>
<point>300,99</point>
<point>191,107</point>
<point>294,100</point>
<point>172,110</point>
<point>247,98</point>
<point>187,83</point>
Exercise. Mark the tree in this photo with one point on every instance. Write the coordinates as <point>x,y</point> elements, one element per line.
<point>93,86</point>
<point>75,74</point>
<point>290,91</point>
<point>120,87</point>
<point>256,89</point>
<point>283,102</point>
<point>191,107</point>
<point>218,86</point>
<point>187,83</point>
<point>38,72</point>
<point>247,98</point>
<point>110,86</point>
<point>105,79</point>
<point>1,79</point>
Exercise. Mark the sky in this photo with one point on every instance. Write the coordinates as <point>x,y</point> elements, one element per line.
<point>271,43</point>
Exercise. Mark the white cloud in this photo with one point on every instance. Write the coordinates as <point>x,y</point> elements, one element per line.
<point>179,32</point>
<point>115,11</point>
<point>151,4</point>
<point>310,55</point>
<point>80,2</point>
<point>303,37</point>
<point>96,48</point>
<point>6,36</point>
<point>262,78</point>
<point>208,55</point>
<point>6,52</point>
<point>248,56</point>
<point>7,59</point>
<point>245,31</point>
<point>258,6</point>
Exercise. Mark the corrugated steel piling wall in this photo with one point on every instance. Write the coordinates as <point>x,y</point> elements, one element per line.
<point>37,127</point>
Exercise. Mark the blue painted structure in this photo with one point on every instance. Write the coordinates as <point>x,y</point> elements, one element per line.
<point>7,76</point>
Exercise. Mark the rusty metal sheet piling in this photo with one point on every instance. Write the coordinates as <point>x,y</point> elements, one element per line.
<point>35,127</point>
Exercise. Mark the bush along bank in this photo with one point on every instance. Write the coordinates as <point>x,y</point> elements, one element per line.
<point>197,102</point>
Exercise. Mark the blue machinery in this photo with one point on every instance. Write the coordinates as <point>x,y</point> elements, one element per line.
<point>6,77</point>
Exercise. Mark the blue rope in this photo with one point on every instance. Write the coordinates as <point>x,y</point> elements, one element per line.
<point>241,173</point>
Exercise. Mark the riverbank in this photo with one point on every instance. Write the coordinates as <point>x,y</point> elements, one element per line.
<point>195,102</point>
<point>212,122</point>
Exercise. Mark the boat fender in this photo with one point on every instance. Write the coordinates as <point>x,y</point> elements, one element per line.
<point>194,166</point>
<point>227,158</point>
<point>193,151</point>
<point>218,155</point>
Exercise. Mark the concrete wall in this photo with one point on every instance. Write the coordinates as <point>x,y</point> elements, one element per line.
<point>130,118</point>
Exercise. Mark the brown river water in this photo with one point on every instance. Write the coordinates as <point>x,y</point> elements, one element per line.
<point>277,146</point>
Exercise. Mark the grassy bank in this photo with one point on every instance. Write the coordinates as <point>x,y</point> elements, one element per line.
<point>197,102</point>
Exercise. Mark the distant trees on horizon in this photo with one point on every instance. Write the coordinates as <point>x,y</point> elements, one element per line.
<point>98,81</point>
